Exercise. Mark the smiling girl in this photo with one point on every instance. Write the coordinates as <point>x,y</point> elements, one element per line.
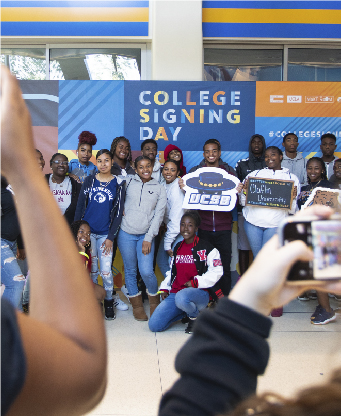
<point>196,266</point>
<point>121,151</point>
<point>317,177</point>
<point>173,214</point>
<point>81,232</point>
<point>175,153</point>
<point>64,188</point>
<point>144,209</point>
<point>101,205</point>
<point>82,166</point>
<point>261,222</point>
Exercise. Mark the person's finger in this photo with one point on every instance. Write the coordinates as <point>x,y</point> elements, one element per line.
<point>315,210</point>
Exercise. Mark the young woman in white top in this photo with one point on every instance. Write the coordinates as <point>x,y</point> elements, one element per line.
<point>173,214</point>
<point>261,222</point>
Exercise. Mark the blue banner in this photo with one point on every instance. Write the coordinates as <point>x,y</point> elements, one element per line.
<point>188,113</point>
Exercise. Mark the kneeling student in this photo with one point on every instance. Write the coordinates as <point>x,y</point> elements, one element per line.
<point>195,270</point>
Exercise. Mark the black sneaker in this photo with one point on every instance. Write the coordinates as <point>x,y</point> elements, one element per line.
<point>324,317</point>
<point>109,313</point>
<point>189,328</point>
<point>185,320</point>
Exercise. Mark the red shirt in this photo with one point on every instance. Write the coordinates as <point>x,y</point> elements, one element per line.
<point>185,267</point>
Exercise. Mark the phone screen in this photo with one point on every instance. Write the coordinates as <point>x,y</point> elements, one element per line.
<point>324,238</point>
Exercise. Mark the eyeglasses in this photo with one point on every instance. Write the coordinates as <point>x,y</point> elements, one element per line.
<point>60,162</point>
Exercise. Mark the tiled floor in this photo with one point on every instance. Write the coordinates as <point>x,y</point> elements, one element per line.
<point>141,363</point>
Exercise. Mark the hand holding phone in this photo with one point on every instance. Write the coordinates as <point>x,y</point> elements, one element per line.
<point>264,286</point>
<point>323,236</point>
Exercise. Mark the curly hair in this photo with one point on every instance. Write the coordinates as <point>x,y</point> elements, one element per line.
<point>88,138</point>
<point>319,400</point>
<point>75,229</point>
<point>115,143</point>
<point>194,215</point>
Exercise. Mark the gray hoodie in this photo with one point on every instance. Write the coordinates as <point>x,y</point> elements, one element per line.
<point>144,207</point>
<point>297,166</point>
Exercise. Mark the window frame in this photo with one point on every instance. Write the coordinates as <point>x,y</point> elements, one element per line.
<point>258,44</point>
<point>144,47</point>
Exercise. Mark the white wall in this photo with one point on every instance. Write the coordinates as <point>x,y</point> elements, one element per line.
<point>177,49</point>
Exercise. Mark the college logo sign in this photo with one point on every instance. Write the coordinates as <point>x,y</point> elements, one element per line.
<point>210,189</point>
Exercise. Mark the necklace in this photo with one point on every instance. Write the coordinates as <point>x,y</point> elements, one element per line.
<point>58,183</point>
<point>314,186</point>
<point>102,182</point>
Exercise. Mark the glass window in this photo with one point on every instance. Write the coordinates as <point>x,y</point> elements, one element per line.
<point>314,64</point>
<point>25,63</point>
<point>95,64</point>
<point>243,64</point>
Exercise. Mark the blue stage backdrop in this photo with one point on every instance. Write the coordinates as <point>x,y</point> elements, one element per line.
<point>185,114</point>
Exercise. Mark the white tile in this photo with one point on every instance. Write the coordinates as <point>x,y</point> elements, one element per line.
<point>141,363</point>
<point>169,343</point>
<point>299,359</point>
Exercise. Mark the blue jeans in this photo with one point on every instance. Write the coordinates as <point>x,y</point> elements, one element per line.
<point>11,275</point>
<point>26,292</point>
<point>130,247</point>
<point>104,264</point>
<point>162,259</point>
<point>258,236</point>
<point>189,301</point>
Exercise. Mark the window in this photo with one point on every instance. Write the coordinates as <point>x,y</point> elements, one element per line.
<point>243,64</point>
<point>312,64</point>
<point>232,62</point>
<point>25,63</point>
<point>77,62</point>
<point>95,64</point>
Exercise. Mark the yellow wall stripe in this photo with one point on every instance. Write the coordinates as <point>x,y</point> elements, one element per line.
<point>74,14</point>
<point>271,16</point>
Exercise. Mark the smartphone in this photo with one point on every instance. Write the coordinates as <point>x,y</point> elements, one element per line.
<point>324,238</point>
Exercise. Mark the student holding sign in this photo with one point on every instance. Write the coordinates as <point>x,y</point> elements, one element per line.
<point>261,221</point>
<point>317,177</point>
<point>216,226</point>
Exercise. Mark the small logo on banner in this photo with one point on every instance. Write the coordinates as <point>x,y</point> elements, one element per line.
<point>319,99</point>
<point>294,99</point>
<point>339,100</point>
<point>276,99</point>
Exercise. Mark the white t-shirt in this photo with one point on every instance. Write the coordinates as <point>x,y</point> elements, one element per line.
<point>264,216</point>
<point>62,193</point>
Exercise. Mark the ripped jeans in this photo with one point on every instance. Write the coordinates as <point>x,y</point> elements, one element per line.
<point>105,264</point>
<point>11,275</point>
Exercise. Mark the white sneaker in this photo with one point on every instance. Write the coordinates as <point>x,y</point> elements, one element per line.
<point>119,304</point>
<point>125,292</point>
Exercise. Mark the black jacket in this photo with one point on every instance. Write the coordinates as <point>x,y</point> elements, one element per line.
<point>117,208</point>
<point>220,363</point>
<point>70,211</point>
<point>252,163</point>
<point>10,228</point>
<point>117,170</point>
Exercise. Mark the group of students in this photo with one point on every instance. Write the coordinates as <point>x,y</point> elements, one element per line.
<point>118,203</point>
<point>54,360</point>
<point>257,225</point>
